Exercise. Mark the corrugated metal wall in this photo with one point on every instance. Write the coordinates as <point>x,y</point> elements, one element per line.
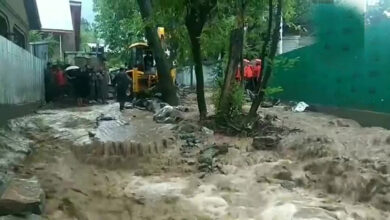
<point>21,75</point>
<point>184,76</point>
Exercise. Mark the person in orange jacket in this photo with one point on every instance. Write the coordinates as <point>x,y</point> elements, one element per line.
<point>248,71</point>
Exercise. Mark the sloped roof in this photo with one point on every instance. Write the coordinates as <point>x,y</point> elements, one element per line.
<point>55,15</point>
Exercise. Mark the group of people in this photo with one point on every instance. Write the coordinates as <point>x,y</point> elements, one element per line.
<point>55,82</point>
<point>89,84</point>
<point>85,84</point>
<point>252,73</point>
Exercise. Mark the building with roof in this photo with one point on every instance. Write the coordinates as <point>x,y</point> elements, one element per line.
<point>62,19</point>
<point>17,18</point>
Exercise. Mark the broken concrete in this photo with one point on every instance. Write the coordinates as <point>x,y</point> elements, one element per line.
<point>22,196</point>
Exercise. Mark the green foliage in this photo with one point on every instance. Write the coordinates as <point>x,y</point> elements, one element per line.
<point>119,23</point>
<point>114,61</point>
<point>87,34</point>
<point>269,91</point>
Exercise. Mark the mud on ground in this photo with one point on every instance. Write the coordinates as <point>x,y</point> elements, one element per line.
<point>133,168</point>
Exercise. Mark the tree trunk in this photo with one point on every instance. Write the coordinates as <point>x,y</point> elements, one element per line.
<point>165,84</point>
<point>198,12</point>
<point>241,24</point>
<point>197,56</point>
<point>267,39</point>
<point>236,46</point>
<point>264,50</point>
<point>269,67</point>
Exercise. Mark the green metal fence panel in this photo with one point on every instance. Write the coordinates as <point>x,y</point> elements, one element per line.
<point>347,67</point>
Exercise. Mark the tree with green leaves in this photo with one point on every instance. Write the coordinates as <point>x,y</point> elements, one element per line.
<point>121,23</point>
<point>203,30</point>
<point>87,34</point>
<point>291,11</point>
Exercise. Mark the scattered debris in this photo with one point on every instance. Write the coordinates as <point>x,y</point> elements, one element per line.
<point>168,114</point>
<point>152,105</point>
<point>22,196</point>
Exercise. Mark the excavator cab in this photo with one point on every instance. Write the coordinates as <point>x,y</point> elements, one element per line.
<point>143,70</point>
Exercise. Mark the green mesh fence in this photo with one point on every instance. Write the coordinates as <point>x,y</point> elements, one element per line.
<point>348,66</point>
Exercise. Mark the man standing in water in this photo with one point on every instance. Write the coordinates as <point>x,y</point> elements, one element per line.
<point>122,83</point>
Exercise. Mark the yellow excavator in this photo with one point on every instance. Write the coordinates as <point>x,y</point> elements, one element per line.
<point>143,69</point>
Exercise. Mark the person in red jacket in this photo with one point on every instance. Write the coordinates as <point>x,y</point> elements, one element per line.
<point>61,82</point>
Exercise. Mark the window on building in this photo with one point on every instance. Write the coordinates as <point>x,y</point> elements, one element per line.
<point>3,26</point>
<point>19,37</point>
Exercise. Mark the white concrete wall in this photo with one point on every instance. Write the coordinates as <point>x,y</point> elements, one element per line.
<point>291,43</point>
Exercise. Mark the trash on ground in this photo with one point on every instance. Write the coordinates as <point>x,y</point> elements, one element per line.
<point>300,107</point>
<point>168,114</point>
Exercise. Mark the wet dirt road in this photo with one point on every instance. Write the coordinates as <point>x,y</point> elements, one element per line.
<point>133,168</point>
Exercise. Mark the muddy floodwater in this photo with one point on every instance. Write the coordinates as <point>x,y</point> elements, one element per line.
<point>97,163</point>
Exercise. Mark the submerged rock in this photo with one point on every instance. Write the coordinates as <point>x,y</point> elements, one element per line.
<point>265,142</point>
<point>22,196</point>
